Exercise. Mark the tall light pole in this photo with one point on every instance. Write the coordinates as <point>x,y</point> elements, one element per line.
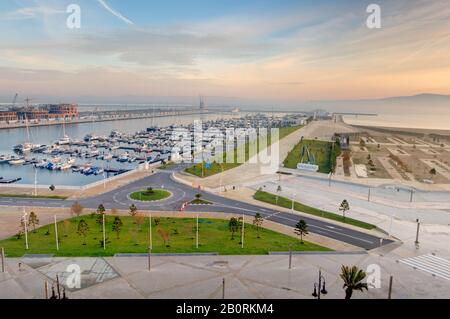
<point>24,220</point>
<point>2,256</point>
<point>196,233</point>
<point>242,233</point>
<point>35,181</point>
<point>56,234</point>
<point>150,232</point>
<point>220,178</point>
<point>417,232</point>
<point>293,201</point>
<point>104,232</point>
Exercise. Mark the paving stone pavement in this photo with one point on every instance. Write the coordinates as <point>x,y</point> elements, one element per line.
<point>194,277</point>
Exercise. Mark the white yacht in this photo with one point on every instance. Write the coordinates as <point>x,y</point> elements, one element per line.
<point>18,161</point>
<point>64,140</point>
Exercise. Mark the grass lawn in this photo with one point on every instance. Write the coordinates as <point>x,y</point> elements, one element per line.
<point>217,168</point>
<point>32,196</point>
<point>214,236</point>
<point>144,195</point>
<point>323,152</point>
<point>287,203</point>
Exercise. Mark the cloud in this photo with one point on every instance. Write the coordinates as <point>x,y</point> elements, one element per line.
<point>115,13</point>
<point>31,13</point>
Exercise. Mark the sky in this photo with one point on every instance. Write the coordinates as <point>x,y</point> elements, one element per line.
<point>279,51</point>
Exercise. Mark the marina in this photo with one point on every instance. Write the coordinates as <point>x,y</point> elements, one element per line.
<point>48,155</point>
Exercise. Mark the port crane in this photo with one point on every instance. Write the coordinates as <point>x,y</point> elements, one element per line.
<point>14,100</point>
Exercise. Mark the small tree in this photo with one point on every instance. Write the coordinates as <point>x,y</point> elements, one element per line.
<point>83,230</point>
<point>66,227</point>
<point>21,230</point>
<point>76,209</point>
<point>101,209</point>
<point>344,207</point>
<point>165,237</point>
<point>139,220</point>
<point>301,229</point>
<point>257,222</point>
<point>233,226</point>
<point>117,226</point>
<point>433,172</point>
<point>362,143</point>
<point>133,210</point>
<point>198,196</point>
<point>157,221</point>
<point>353,280</point>
<point>33,220</point>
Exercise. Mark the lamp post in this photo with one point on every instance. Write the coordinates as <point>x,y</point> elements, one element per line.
<point>417,232</point>
<point>56,234</point>
<point>104,231</point>
<point>24,220</point>
<point>293,201</point>
<point>319,288</point>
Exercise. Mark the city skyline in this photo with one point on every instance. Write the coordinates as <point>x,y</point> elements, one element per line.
<point>286,51</point>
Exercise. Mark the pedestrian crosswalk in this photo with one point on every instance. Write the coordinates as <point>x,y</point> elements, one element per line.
<point>431,264</point>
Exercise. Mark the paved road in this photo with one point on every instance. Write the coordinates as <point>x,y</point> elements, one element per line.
<point>181,193</point>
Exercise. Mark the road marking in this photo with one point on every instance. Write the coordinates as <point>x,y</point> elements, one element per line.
<point>431,264</point>
<point>314,226</point>
<point>332,231</point>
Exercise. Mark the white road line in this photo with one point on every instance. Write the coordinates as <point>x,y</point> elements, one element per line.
<point>314,226</point>
<point>430,264</point>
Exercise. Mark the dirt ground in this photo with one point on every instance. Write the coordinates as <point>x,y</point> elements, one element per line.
<point>403,156</point>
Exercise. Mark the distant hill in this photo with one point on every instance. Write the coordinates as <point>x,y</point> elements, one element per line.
<point>424,102</point>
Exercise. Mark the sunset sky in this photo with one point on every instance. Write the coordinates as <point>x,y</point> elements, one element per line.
<point>277,50</point>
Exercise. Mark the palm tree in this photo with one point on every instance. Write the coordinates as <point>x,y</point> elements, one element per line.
<point>353,280</point>
<point>301,229</point>
<point>344,207</point>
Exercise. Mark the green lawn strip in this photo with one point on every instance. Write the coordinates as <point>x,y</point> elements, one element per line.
<point>214,236</point>
<point>144,195</point>
<point>217,168</point>
<point>32,196</point>
<point>324,153</point>
<point>287,203</point>
<point>200,201</point>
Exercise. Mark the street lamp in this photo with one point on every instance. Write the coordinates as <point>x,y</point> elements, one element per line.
<point>417,232</point>
<point>293,201</point>
<point>319,288</point>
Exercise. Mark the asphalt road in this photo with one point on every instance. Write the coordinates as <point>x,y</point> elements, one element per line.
<point>119,199</point>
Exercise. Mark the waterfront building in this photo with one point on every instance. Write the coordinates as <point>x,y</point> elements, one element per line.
<point>8,116</point>
<point>42,112</point>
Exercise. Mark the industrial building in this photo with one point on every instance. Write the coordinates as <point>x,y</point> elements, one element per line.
<point>41,112</point>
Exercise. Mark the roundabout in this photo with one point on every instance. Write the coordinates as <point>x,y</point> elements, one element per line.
<point>150,195</point>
